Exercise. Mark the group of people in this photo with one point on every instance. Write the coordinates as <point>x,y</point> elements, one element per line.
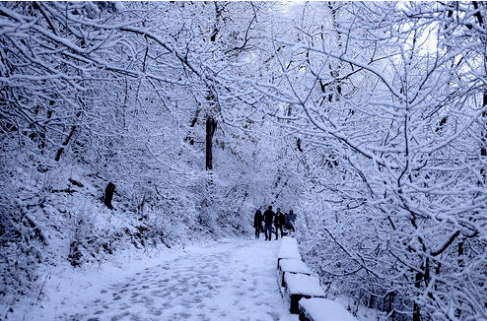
<point>269,218</point>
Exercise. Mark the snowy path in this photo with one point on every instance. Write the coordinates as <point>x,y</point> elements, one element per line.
<point>230,280</point>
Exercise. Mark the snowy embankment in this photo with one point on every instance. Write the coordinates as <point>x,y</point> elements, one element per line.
<point>229,280</point>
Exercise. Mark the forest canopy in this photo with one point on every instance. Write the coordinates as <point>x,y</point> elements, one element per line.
<point>368,119</point>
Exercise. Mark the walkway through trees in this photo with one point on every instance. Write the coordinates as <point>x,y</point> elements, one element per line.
<point>230,280</point>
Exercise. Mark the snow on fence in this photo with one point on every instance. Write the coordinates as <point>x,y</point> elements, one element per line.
<point>288,250</point>
<point>316,309</point>
<point>302,290</point>
<point>291,266</point>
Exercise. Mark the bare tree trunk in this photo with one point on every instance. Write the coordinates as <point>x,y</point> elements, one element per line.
<point>210,131</point>
<point>109,195</point>
<point>416,308</point>
<point>66,142</point>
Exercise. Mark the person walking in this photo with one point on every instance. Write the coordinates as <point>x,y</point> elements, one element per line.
<point>258,223</point>
<point>278,222</point>
<point>291,219</point>
<point>268,218</point>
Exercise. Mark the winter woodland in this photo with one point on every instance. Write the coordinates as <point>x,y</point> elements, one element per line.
<point>369,120</point>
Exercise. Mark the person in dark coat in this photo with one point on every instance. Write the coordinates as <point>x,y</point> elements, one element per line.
<point>290,221</point>
<point>278,222</point>
<point>258,223</point>
<point>268,219</point>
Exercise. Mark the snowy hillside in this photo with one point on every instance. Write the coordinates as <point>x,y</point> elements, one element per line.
<point>58,218</point>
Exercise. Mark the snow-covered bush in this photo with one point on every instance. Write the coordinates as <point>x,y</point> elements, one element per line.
<point>395,132</point>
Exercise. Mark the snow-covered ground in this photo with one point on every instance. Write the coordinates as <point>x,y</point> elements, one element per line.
<point>232,279</point>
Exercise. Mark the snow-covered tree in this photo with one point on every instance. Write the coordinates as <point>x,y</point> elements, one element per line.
<point>389,98</point>
<point>201,112</point>
<point>94,93</point>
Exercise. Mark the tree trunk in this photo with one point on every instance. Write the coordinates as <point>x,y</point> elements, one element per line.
<point>390,307</point>
<point>66,142</point>
<point>210,131</point>
<point>416,308</point>
<point>416,312</point>
<point>109,195</point>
